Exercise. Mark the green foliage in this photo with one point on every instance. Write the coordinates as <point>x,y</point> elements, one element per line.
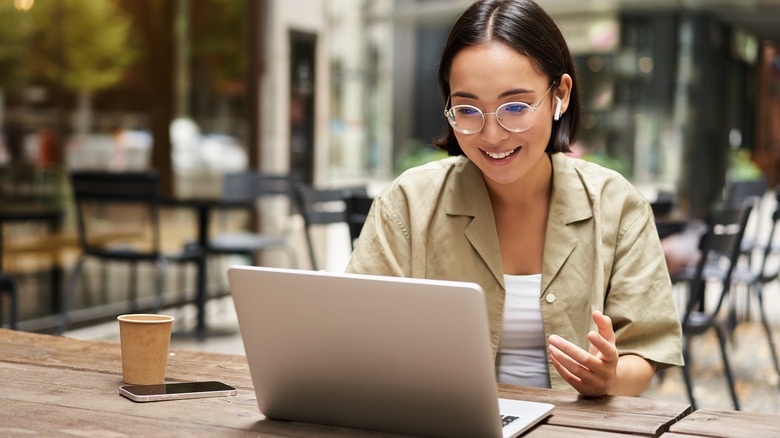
<point>742,168</point>
<point>605,160</point>
<point>414,153</point>
<point>14,31</point>
<point>86,41</point>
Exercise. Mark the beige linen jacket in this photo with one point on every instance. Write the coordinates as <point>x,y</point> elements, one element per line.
<point>601,251</point>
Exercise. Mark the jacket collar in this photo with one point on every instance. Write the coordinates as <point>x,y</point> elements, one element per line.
<point>569,204</point>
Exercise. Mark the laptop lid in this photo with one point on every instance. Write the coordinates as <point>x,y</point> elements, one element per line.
<point>387,354</point>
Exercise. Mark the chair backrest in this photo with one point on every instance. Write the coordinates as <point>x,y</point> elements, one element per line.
<point>738,192</point>
<point>271,192</point>
<point>322,206</point>
<point>113,205</point>
<point>770,249</point>
<point>751,192</point>
<point>719,248</point>
<point>357,208</point>
<point>253,185</point>
<point>663,204</point>
<point>28,184</point>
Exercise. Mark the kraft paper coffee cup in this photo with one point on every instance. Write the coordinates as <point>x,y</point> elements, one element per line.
<point>145,340</point>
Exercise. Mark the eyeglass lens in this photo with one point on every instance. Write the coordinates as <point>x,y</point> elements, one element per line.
<point>513,116</point>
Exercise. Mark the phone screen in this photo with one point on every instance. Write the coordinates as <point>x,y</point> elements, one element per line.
<point>173,391</point>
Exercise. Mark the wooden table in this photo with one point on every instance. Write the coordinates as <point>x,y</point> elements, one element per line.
<point>57,386</point>
<point>725,424</point>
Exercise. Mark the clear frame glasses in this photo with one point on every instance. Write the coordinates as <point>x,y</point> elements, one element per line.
<point>512,116</point>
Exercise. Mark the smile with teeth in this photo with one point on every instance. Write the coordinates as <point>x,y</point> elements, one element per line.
<point>499,155</point>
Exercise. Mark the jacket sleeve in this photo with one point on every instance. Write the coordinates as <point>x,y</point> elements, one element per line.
<point>384,245</point>
<point>639,299</point>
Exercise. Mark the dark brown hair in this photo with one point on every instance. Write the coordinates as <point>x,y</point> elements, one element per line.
<point>527,28</point>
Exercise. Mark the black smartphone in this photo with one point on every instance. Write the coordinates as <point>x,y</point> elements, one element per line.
<point>176,391</point>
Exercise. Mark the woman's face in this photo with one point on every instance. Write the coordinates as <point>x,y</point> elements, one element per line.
<point>487,76</point>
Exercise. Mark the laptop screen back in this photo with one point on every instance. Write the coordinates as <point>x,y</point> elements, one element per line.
<point>378,353</point>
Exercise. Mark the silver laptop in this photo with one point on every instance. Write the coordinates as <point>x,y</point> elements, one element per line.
<point>397,355</point>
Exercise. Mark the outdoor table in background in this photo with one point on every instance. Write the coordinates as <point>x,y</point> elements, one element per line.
<point>53,386</point>
<point>203,208</point>
<point>52,216</point>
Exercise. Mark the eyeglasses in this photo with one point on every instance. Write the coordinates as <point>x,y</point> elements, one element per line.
<point>512,116</point>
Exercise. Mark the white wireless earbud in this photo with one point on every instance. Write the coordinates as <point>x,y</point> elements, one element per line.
<point>557,115</point>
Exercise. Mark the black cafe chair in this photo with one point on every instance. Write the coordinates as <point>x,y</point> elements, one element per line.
<point>357,207</point>
<point>8,288</point>
<point>719,249</point>
<point>118,220</point>
<point>322,207</point>
<point>257,188</point>
<point>754,280</point>
<point>751,192</point>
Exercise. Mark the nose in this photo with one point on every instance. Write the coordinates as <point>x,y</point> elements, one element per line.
<point>492,132</point>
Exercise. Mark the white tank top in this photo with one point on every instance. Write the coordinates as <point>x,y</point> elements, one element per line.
<point>522,351</point>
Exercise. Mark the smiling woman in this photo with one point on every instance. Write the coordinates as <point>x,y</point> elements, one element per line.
<point>494,76</point>
<point>565,251</point>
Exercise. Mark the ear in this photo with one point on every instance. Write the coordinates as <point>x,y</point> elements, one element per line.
<point>562,94</point>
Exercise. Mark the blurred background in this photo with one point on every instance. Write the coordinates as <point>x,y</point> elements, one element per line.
<point>680,96</point>
<point>677,93</point>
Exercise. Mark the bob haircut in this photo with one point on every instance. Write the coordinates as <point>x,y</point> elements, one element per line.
<point>528,29</point>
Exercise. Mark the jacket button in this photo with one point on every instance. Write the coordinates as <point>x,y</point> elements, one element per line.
<point>550,298</point>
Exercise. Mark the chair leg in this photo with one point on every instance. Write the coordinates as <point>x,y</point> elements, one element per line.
<point>686,370</point>
<point>181,283</point>
<point>133,287</point>
<point>312,256</point>
<point>732,318</point>
<point>162,274</point>
<point>14,306</point>
<point>8,284</point>
<point>90,298</point>
<point>69,292</point>
<point>767,329</point>
<point>726,366</point>
<point>102,295</point>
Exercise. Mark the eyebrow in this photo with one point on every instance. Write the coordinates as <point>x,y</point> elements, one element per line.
<point>507,93</point>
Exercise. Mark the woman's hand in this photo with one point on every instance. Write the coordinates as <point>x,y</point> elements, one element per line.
<point>600,371</point>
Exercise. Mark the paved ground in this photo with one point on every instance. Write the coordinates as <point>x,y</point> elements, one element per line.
<point>757,383</point>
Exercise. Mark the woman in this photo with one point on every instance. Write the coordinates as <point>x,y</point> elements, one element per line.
<point>567,252</point>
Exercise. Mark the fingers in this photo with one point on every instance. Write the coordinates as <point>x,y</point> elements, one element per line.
<point>577,360</point>
<point>567,352</point>
<point>605,333</point>
<point>589,372</point>
<point>604,325</point>
<point>573,380</point>
<point>569,360</point>
<point>602,347</point>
